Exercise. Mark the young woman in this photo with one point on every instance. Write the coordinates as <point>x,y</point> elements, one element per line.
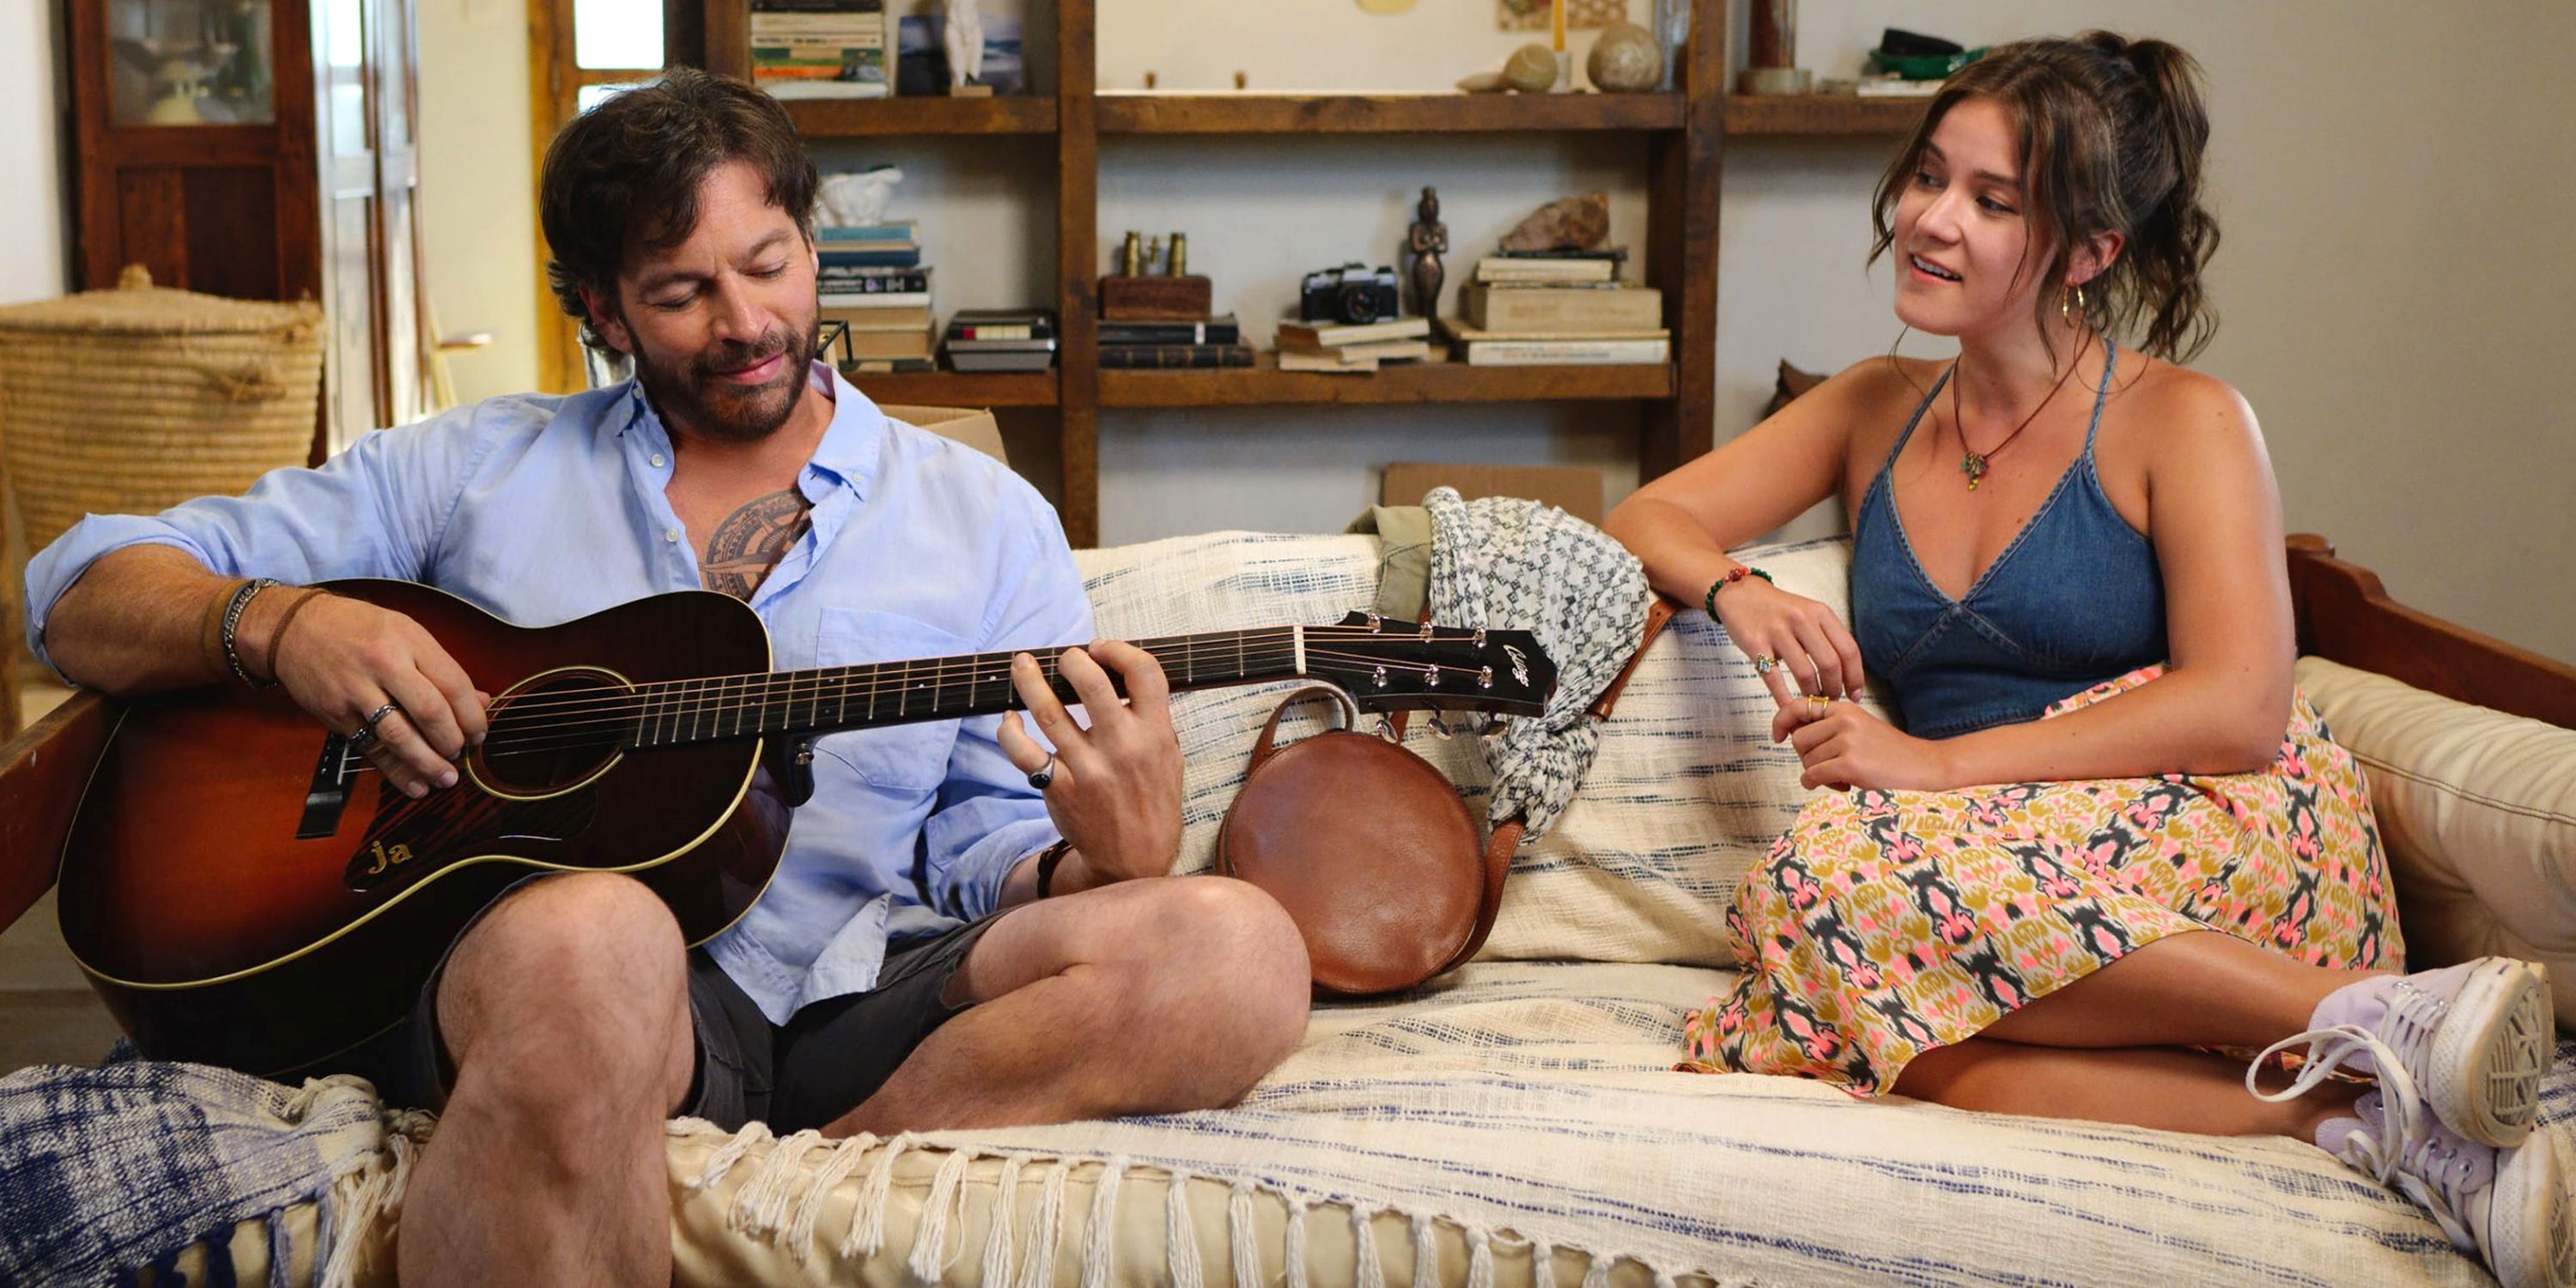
<point>2055,524</point>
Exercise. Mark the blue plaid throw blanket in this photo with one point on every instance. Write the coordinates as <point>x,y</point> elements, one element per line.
<point>107,1170</point>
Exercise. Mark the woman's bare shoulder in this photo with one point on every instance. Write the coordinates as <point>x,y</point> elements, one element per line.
<point>2189,408</point>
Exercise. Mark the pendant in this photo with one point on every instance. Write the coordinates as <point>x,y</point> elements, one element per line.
<point>1974,466</point>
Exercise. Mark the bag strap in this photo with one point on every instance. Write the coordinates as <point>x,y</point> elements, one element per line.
<point>1261,747</point>
<point>1498,865</point>
<point>1657,614</point>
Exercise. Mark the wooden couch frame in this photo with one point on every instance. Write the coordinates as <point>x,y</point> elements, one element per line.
<point>2344,614</point>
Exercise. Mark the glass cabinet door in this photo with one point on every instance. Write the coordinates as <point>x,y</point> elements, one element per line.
<point>190,62</point>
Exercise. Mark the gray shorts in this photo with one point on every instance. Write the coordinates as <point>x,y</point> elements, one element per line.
<point>827,1058</point>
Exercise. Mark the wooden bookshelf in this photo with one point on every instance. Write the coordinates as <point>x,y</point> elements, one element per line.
<point>881,117</point>
<point>959,388</point>
<point>1685,133</point>
<point>1148,112</point>
<point>1827,114</point>
<point>1264,384</point>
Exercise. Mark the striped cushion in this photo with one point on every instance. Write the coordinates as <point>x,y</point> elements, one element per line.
<point>1686,794</point>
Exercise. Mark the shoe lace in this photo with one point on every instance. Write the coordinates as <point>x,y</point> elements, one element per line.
<point>2330,1049</point>
<point>2403,1150</point>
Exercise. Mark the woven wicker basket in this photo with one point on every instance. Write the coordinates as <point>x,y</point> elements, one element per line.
<point>135,399</point>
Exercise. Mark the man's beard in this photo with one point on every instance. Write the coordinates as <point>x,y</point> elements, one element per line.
<point>691,395</point>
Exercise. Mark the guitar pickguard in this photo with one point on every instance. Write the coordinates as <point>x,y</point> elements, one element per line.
<point>411,839</point>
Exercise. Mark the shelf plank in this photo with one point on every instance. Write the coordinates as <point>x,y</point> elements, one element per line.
<point>1813,114</point>
<point>1151,112</point>
<point>876,117</point>
<point>958,388</point>
<point>1264,384</point>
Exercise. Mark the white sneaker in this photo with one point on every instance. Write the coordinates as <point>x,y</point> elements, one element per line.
<point>2508,1206</point>
<point>2474,1039</point>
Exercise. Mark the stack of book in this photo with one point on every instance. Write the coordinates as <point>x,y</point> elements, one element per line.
<point>1353,348</point>
<point>1557,308</point>
<point>1001,340</point>
<point>1179,342</point>
<point>820,48</point>
<point>873,279</point>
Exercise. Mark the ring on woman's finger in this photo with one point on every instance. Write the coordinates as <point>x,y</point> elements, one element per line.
<point>1818,704</point>
<point>1765,664</point>
<point>1043,775</point>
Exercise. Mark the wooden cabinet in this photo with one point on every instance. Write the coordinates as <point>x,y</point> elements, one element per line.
<point>1686,131</point>
<point>262,149</point>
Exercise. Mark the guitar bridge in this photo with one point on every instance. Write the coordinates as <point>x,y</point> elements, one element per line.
<point>328,795</point>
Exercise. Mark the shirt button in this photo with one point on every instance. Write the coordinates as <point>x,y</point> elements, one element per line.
<point>671,534</point>
<point>657,460</point>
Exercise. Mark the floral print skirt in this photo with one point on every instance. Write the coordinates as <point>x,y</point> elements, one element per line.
<point>1886,923</point>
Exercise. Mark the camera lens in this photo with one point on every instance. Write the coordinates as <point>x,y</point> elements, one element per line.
<point>1351,303</point>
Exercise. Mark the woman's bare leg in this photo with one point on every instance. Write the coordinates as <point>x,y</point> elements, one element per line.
<point>2198,988</point>
<point>2161,1087</point>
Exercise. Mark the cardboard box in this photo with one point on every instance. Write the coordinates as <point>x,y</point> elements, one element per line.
<point>1575,489</point>
<point>976,429</point>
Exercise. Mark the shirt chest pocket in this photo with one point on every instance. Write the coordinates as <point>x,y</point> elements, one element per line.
<point>901,757</point>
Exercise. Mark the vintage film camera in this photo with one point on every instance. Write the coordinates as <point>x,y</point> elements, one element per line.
<point>1350,294</point>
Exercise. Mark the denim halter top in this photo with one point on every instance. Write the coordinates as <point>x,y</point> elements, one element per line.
<point>2075,600</point>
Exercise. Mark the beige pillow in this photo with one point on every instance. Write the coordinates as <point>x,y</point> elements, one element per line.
<point>2478,810</point>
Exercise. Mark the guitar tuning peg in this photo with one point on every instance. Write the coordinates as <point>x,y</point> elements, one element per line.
<point>1440,728</point>
<point>1386,730</point>
<point>1493,728</point>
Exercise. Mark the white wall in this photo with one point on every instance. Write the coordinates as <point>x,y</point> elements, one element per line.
<point>478,187</point>
<point>2394,304</point>
<point>34,224</point>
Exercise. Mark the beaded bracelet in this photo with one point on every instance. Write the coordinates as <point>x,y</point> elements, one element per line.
<point>1733,575</point>
<point>232,625</point>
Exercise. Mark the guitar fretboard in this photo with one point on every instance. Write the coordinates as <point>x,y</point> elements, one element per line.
<point>721,708</point>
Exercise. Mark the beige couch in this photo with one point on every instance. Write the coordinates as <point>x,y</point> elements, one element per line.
<point>1517,1122</point>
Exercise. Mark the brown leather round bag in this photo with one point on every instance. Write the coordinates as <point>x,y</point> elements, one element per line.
<point>1370,850</point>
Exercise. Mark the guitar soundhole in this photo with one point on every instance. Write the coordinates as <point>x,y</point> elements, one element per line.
<point>554,733</point>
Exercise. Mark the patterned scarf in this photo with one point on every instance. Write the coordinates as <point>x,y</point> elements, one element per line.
<point>1519,565</point>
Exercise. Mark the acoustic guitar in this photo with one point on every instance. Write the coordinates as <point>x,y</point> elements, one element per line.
<point>243,889</point>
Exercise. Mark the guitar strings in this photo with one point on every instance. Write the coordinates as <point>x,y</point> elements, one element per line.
<point>1187,646</point>
<point>626,709</point>
<point>895,677</point>
<point>629,712</point>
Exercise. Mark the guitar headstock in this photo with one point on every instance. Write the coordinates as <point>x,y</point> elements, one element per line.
<point>1389,665</point>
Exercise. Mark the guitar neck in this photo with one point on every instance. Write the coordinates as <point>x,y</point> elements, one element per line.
<point>791,703</point>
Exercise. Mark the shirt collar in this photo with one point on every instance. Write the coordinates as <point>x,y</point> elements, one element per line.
<point>848,452</point>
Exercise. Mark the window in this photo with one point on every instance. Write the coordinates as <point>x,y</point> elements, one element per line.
<point>580,54</point>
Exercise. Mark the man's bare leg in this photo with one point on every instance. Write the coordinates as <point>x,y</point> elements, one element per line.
<point>1149,996</point>
<point>566,1011</point>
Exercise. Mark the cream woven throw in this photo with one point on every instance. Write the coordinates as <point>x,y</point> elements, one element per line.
<point>1513,564</point>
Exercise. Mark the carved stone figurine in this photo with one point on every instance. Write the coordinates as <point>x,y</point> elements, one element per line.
<point>964,38</point>
<point>1427,241</point>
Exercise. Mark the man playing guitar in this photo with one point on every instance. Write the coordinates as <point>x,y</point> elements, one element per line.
<point>906,968</point>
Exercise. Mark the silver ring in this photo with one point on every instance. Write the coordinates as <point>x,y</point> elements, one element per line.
<point>365,735</point>
<point>1765,664</point>
<point>1044,774</point>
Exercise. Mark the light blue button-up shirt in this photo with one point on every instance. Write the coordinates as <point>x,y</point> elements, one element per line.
<point>541,509</point>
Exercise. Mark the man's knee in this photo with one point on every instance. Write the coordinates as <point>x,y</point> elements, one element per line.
<point>585,967</point>
<point>1241,961</point>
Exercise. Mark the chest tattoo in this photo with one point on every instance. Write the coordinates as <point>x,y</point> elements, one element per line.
<point>750,541</point>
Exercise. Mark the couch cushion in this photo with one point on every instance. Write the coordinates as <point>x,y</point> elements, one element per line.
<point>1687,791</point>
<point>2478,810</point>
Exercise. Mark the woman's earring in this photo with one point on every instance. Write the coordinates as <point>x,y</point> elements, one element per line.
<point>2070,305</point>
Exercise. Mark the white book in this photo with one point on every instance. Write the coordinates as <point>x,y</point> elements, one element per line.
<point>1495,268</point>
<point>826,89</point>
<point>1567,353</point>
<point>875,300</point>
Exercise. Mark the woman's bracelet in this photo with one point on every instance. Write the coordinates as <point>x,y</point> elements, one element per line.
<point>1733,575</point>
